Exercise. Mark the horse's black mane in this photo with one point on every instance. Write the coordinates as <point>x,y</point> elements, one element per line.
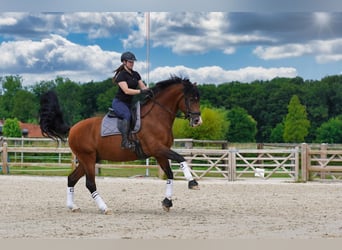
<point>160,86</point>
<point>189,88</point>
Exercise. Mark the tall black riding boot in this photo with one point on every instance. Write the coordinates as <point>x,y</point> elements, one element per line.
<point>124,128</point>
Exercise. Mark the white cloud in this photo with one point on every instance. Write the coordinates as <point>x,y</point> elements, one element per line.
<point>229,50</point>
<point>217,75</point>
<point>193,32</point>
<point>328,58</point>
<point>95,25</point>
<point>7,21</point>
<point>285,51</point>
<point>56,56</point>
<point>325,51</point>
<point>35,54</point>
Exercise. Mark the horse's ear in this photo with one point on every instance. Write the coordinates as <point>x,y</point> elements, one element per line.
<point>195,83</point>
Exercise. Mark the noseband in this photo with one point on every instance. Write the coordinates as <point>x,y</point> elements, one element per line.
<point>188,113</point>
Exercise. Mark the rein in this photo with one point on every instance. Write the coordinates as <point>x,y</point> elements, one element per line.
<point>188,115</point>
<point>160,105</point>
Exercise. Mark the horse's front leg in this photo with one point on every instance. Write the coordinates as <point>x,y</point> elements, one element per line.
<point>192,183</point>
<point>165,165</point>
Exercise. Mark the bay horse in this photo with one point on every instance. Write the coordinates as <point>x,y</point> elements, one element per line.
<point>155,136</point>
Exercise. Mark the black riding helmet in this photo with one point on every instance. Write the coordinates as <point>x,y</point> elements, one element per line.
<point>128,56</point>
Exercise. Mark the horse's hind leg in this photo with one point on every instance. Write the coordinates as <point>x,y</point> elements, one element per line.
<point>88,170</point>
<point>91,185</point>
<point>88,164</point>
<point>73,178</point>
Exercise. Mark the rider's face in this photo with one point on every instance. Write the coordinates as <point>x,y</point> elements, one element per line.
<point>129,64</point>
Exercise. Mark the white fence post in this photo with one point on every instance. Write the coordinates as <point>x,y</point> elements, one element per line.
<point>305,160</point>
<point>4,157</point>
<point>232,164</point>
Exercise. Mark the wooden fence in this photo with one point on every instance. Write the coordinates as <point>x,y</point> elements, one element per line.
<point>321,162</point>
<point>233,164</point>
<point>216,159</point>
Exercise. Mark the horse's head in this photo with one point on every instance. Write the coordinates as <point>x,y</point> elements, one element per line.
<point>191,107</point>
<point>185,96</point>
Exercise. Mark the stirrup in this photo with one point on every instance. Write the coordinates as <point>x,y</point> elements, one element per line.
<point>128,145</point>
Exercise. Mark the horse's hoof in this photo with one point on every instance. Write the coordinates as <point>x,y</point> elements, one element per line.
<point>166,209</point>
<point>193,185</point>
<point>107,211</point>
<point>167,204</point>
<point>75,209</point>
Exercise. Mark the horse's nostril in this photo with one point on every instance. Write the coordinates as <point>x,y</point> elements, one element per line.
<point>196,121</point>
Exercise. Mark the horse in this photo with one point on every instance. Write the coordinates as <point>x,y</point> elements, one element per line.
<point>158,112</point>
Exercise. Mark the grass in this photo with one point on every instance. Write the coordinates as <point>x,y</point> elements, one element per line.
<point>111,172</point>
<point>118,172</point>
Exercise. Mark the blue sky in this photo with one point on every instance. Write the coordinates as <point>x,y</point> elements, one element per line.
<point>206,46</point>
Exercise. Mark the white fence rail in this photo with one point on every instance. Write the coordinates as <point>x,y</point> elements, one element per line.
<point>233,163</point>
<point>206,159</point>
<point>212,159</point>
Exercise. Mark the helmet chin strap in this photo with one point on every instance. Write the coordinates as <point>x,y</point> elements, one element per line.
<point>127,69</point>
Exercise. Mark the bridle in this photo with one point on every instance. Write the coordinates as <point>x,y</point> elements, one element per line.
<point>188,113</point>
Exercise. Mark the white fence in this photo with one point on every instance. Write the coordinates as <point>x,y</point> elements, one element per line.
<point>216,159</point>
<point>206,159</point>
<point>233,164</point>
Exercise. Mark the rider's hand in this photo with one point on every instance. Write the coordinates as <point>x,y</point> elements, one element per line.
<point>148,93</point>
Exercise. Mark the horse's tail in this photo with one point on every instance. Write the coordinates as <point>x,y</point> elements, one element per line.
<point>51,117</point>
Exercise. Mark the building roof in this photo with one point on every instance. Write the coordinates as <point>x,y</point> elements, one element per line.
<point>33,129</point>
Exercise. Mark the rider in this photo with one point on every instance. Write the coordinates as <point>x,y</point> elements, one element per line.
<point>128,81</point>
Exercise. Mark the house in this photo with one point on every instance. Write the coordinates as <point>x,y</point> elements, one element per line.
<point>28,129</point>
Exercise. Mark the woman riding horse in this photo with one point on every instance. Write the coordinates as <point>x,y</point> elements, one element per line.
<point>155,136</point>
<point>128,80</point>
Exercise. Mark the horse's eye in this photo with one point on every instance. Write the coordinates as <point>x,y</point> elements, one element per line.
<point>194,99</point>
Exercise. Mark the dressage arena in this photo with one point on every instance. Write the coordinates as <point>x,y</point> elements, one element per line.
<point>34,208</point>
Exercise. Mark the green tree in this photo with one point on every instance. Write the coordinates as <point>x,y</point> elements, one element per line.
<point>277,133</point>
<point>25,106</point>
<point>296,125</point>
<point>69,99</point>
<point>208,93</point>
<point>242,126</point>
<point>178,129</point>
<point>95,97</point>
<point>104,100</point>
<point>10,86</point>
<point>213,128</point>
<point>40,88</point>
<point>11,128</point>
<point>330,131</point>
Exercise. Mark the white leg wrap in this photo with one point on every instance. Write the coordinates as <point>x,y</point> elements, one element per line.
<point>99,202</point>
<point>70,197</point>
<point>186,170</point>
<point>169,189</point>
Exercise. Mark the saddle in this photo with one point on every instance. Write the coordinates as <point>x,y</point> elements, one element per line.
<point>109,124</point>
<point>109,127</point>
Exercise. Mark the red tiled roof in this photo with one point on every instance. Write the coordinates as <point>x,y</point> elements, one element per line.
<point>33,129</point>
